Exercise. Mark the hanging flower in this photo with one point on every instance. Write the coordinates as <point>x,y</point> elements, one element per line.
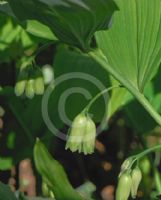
<point>124,187</point>
<point>82,135</point>
<point>136,179</point>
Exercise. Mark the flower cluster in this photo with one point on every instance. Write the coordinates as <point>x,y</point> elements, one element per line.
<point>129,181</point>
<point>30,82</point>
<point>82,135</point>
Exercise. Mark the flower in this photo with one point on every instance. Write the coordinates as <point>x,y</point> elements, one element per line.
<point>136,179</point>
<point>124,186</point>
<point>82,135</point>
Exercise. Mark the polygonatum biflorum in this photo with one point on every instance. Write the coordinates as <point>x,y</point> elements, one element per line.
<point>30,82</point>
<point>128,183</point>
<point>131,175</point>
<point>130,50</point>
<point>82,135</point>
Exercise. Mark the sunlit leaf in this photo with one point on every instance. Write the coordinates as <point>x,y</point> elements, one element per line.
<point>133,44</point>
<point>31,26</point>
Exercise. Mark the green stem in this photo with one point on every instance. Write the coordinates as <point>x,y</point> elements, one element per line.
<point>86,109</point>
<point>102,60</point>
<point>147,151</point>
<point>43,47</point>
<point>137,157</point>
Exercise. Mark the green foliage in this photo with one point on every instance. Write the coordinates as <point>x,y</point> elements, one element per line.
<point>14,40</point>
<point>31,26</point>
<point>53,174</point>
<point>133,46</point>
<point>5,193</point>
<point>6,163</point>
<point>130,51</point>
<point>73,22</point>
<point>67,61</point>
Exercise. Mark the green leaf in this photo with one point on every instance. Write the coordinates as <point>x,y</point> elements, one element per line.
<point>38,29</point>
<point>72,21</point>
<point>118,98</point>
<point>6,163</point>
<point>5,193</point>
<point>86,79</point>
<point>54,174</point>
<point>133,44</point>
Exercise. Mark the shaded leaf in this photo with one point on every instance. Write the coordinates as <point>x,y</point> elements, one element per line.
<point>73,22</point>
<point>81,79</point>
<point>5,193</point>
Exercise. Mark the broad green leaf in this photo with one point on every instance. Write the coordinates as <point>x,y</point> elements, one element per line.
<point>54,174</point>
<point>5,193</point>
<point>133,44</point>
<point>84,81</point>
<point>73,21</point>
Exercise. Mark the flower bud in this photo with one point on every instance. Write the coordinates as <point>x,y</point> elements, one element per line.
<point>82,135</point>
<point>45,189</point>
<point>136,179</point>
<point>21,83</point>
<point>30,89</point>
<point>89,137</point>
<point>126,164</point>
<point>124,187</point>
<point>48,74</point>
<point>20,87</point>
<point>76,133</point>
<point>39,85</point>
